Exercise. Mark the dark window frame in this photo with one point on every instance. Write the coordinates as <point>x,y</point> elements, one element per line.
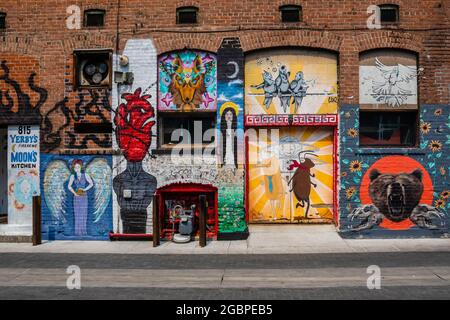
<point>414,132</point>
<point>78,56</point>
<point>96,12</point>
<point>2,21</point>
<point>193,116</point>
<point>290,8</point>
<point>389,6</point>
<point>187,9</point>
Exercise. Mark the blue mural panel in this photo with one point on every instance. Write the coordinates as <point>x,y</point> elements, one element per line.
<point>76,197</point>
<point>396,192</point>
<point>230,129</point>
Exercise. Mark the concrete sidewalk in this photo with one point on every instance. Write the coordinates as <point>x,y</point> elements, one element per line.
<point>264,239</point>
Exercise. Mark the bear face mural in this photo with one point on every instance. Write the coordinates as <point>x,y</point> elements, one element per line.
<point>396,197</point>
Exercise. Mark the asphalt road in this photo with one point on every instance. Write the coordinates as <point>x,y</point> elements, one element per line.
<point>237,277</point>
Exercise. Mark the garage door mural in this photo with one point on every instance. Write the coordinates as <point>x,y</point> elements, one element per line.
<point>291,175</point>
<point>291,81</point>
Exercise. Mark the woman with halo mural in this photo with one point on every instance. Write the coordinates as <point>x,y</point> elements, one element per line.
<point>228,125</point>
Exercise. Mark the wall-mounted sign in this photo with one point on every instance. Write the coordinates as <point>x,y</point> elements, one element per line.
<point>23,172</point>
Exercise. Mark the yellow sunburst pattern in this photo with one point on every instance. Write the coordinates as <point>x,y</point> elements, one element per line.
<point>271,198</point>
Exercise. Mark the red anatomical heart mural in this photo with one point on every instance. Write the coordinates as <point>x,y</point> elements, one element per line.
<point>134,125</point>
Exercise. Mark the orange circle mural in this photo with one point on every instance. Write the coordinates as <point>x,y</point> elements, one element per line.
<point>397,165</point>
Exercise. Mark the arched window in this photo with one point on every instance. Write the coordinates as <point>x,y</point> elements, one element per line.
<point>291,13</point>
<point>388,90</point>
<point>94,18</point>
<point>389,13</point>
<point>187,15</point>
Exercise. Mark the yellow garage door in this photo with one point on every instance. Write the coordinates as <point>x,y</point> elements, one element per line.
<point>290,175</point>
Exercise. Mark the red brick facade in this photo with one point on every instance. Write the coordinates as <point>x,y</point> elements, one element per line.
<point>38,29</point>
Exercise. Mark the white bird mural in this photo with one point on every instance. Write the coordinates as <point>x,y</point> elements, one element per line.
<point>392,90</point>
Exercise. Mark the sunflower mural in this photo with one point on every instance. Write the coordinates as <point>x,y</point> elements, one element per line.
<point>397,192</point>
<point>276,171</point>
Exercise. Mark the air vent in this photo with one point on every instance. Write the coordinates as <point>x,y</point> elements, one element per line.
<point>93,68</point>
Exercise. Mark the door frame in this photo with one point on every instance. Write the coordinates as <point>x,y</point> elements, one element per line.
<point>300,120</point>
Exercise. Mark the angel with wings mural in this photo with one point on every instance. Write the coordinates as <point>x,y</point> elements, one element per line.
<point>397,84</point>
<point>77,195</point>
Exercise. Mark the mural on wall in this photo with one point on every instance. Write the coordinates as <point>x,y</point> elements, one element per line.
<point>398,194</point>
<point>134,123</point>
<point>76,197</point>
<point>230,101</point>
<point>187,81</point>
<point>134,187</point>
<point>230,147</point>
<point>231,208</point>
<point>18,103</point>
<point>388,79</point>
<point>90,103</point>
<point>291,181</point>
<point>21,104</point>
<point>23,172</point>
<point>291,81</point>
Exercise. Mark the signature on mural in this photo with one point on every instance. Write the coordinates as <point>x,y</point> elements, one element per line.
<point>282,89</point>
<point>397,197</point>
<point>188,81</point>
<point>389,86</point>
<point>79,179</point>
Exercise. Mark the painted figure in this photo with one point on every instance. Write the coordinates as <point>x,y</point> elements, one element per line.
<point>270,88</point>
<point>298,88</point>
<point>397,197</point>
<point>228,126</point>
<point>273,185</point>
<point>390,91</point>
<point>282,83</point>
<point>90,186</point>
<point>301,180</point>
<point>79,184</point>
<point>281,88</point>
<point>133,133</point>
<point>188,80</point>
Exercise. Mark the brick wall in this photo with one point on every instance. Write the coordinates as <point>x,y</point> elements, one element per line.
<point>39,29</point>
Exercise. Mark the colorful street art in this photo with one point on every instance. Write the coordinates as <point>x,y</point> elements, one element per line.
<point>187,81</point>
<point>388,79</point>
<point>230,149</point>
<point>230,115</point>
<point>134,123</point>
<point>401,194</point>
<point>291,81</point>
<point>291,175</point>
<point>134,187</point>
<point>231,209</point>
<point>76,197</point>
